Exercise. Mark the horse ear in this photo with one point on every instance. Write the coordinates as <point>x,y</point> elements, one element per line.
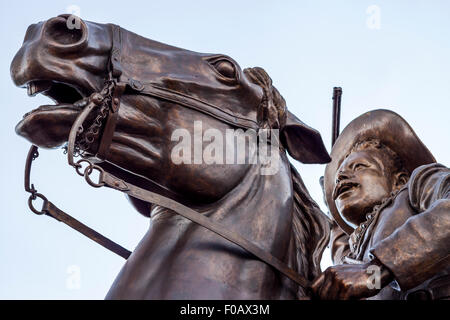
<point>302,142</point>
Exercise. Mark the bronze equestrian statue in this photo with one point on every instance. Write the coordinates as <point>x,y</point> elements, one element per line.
<point>391,204</point>
<point>132,93</point>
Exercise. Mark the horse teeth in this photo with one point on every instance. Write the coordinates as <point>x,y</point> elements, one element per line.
<point>36,87</point>
<point>31,89</point>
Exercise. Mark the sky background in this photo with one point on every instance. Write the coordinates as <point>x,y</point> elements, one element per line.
<point>400,61</point>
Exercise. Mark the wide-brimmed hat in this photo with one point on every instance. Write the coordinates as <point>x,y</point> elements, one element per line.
<point>392,131</point>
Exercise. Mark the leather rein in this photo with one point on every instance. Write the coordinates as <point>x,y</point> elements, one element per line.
<point>111,94</point>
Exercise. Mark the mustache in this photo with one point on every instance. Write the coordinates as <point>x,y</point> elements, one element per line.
<point>342,186</point>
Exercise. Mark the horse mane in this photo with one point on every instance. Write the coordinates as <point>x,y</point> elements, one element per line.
<point>311,231</point>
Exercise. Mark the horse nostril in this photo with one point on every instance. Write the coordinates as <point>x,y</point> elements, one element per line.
<point>65,32</point>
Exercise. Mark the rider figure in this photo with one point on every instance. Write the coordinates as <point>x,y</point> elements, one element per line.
<point>392,203</point>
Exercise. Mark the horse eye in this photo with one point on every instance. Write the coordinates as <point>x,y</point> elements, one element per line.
<point>225,68</point>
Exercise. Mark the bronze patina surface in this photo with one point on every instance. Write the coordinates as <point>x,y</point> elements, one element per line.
<point>391,204</point>
<point>140,91</point>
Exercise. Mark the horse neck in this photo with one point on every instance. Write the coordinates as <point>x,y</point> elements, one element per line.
<point>260,208</point>
<point>277,213</point>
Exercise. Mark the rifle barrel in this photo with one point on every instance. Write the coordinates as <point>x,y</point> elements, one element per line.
<point>337,94</point>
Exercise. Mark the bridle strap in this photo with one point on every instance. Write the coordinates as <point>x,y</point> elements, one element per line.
<point>110,126</point>
<point>119,88</point>
<point>116,51</point>
<point>49,209</point>
<point>53,211</point>
<point>110,180</point>
<point>156,91</point>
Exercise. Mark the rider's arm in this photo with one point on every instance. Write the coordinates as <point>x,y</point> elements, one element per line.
<point>420,247</point>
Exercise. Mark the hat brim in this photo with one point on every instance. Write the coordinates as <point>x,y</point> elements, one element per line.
<point>392,131</point>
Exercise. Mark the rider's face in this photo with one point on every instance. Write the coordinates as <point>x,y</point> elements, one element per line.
<point>362,181</point>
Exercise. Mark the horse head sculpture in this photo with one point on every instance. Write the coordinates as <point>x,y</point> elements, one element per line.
<point>168,89</point>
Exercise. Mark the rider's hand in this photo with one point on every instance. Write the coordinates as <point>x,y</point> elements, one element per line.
<point>351,281</point>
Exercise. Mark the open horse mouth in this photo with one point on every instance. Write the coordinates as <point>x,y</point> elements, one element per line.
<point>64,95</point>
<point>57,62</point>
<point>62,114</point>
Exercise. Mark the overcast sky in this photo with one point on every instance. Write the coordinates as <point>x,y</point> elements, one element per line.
<point>389,54</point>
